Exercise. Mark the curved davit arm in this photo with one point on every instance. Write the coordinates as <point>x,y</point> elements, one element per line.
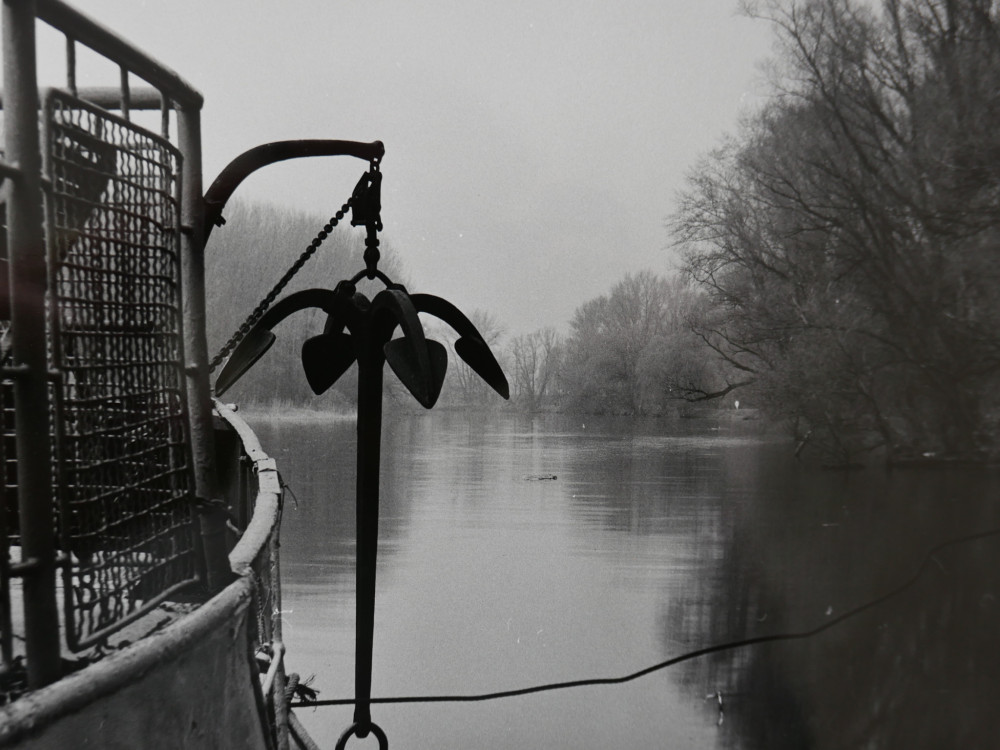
<point>222,189</point>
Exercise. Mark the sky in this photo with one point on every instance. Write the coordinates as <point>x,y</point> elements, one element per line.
<point>534,149</point>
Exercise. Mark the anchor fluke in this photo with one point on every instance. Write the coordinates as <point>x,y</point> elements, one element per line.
<point>325,358</point>
<point>423,382</point>
<point>439,366</point>
<point>471,346</point>
<point>476,354</point>
<point>252,348</point>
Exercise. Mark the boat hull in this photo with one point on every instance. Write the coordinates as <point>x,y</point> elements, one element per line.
<point>191,686</point>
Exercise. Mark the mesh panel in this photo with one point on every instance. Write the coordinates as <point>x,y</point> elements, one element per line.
<point>122,456</point>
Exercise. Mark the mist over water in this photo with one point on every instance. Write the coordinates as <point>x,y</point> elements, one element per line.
<point>655,538</point>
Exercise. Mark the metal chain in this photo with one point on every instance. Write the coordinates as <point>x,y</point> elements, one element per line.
<point>265,303</point>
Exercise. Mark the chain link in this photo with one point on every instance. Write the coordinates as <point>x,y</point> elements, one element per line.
<point>258,312</point>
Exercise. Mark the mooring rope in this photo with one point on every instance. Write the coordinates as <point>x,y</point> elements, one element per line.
<point>714,649</point>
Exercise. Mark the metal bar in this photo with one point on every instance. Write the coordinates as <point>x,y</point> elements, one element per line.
<point>276,613</point>
<point>71,65</point>
<point>110,97</point>
<point>8,170</point>
<point>275,570</point>
<point>280,704</point>
<point>250,161</point>
<point>28,290</point>
<point>125,99</point>
<point>6,623</point>
<point>165,117</point>
<point>105,42</point>
<point>212,522</point>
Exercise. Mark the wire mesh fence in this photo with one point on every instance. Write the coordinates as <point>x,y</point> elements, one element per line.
<point>126,511</point>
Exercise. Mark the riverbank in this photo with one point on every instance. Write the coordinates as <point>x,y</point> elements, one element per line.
<point>288,413</point>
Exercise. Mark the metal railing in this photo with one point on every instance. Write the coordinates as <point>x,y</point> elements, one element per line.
<point>253,494</point>
<point>107,450</point>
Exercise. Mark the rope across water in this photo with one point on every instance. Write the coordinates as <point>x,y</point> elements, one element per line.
<point>713,649</point>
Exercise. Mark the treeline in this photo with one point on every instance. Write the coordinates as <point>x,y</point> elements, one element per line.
<point>841,266</point>
<point>848,237</point>
<point>631,351</point>
<point>628,352</point>
<point>840,256</point>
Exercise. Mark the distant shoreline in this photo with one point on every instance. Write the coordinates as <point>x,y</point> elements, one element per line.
<point>283,413</point>
<point>290,412</point>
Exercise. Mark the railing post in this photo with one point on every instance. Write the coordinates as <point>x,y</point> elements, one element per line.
<point>28,278</point>
<point>217,570</point>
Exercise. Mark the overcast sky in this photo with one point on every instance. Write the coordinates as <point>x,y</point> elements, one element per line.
<point>533,149</point>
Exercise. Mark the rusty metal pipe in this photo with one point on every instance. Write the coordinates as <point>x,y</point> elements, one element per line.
<point>110,97</point>
<point>212,521</point>
<point>28,280</point>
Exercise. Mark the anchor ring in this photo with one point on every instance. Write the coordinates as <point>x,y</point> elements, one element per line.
<point>383,742</point>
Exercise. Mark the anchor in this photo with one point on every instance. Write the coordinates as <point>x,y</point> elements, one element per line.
<point>361,330</point>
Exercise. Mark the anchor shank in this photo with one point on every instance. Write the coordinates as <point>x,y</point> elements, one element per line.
<point>370,368</point>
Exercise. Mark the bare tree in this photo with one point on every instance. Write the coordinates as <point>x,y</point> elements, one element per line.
<point>628,350</point>
<point>536,357</point>
<point>847,237</point>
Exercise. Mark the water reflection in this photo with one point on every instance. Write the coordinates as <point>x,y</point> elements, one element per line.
<point>655,538</point>
<point>805,546</point>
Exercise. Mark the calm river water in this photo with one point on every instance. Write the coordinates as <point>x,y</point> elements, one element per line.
<point>654,538</point>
